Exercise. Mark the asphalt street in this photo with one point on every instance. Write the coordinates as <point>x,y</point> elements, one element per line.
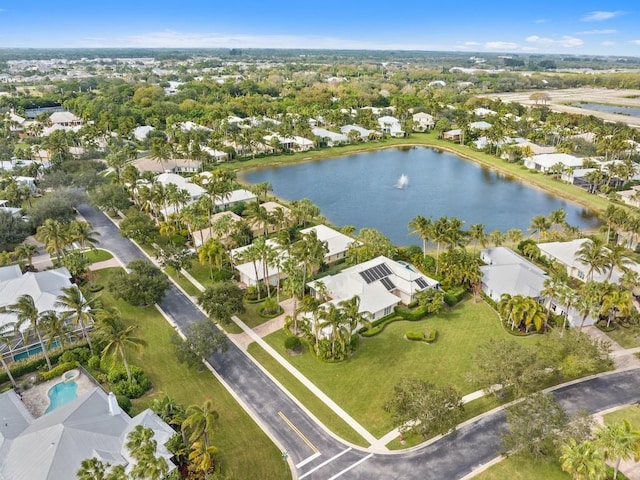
<point>320,455</point>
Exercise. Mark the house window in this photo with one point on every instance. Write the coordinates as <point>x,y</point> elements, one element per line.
<point>580,275</point>
<point>388,310</point>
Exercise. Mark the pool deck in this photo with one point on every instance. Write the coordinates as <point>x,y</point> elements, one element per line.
<point>36,399</point>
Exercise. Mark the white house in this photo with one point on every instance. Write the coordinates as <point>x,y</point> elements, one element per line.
<point>391,126</point>
<point>65,119</point>
<point>423,121</point>
<point>363,133</point>
<point>54,445</point>
<point>236,196</point>
<point>13,211</point>
<point>545,161</point>
<point>508,272</point>
<point>44,287</point>
<point>380,283</point>
<point>141,133</point>
<point>479,126</point>
<point>331,138</point>
<point>252,273</point>
<point>194,191</point>
<point>337,243</point>
<point>484,112</point>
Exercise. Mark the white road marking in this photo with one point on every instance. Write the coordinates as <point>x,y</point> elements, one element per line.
<point>362,460</point>
<point>308,459</point>
<point>324,463</point>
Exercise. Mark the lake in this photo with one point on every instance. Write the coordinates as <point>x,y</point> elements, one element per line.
<point>361,190</point>
<point>619,109</point>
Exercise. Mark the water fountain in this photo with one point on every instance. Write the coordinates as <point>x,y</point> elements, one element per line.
<point>402,182</point>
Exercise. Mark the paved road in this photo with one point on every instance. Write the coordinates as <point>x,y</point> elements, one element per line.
<point>318,454</point>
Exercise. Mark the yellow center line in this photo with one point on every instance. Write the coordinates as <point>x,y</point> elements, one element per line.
<point>298,432</point>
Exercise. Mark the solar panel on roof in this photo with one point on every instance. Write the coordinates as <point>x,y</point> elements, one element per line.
<point>388,284</point>
<point>421,282</point>
<point>375,273</point>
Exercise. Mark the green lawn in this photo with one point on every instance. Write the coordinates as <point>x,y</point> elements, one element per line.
<point>627,337</point>
<point>519,468</point>
<point>186,285</point>
<point>98,255</point>
<point>235,429</point>
<point>304,395</point>
<point>631,413</point>
<point>363,384</point>
<point>250,315</point>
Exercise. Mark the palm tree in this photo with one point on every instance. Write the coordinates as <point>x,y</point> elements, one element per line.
<point>310,251</point>
<point>143,448</point>
<point>261,190</point>
<point>26,312</point>
<point>352,314</point>
<point>54,235</point>
<point>199,422</point>
<point>77,308</point>
<point>496,237</point>
<point>26,251</point>
<point>84,234</point>
<point>201,456</point>
<point>331,316</point>
<point>618,442</point>
<point>6,335</point>
<point>583,461</point>
<point>293,284</point>
<point>539,224</point>
<point>593,253</point>
<point>558,217</point>
<point>422,227</point>
<point>118,338</point>
<point>212,253</point>
<point>617,303</point>
<point>616,256</point>
<point>160,151</point>
<point>56,328</point>
<point>267,255</point>
<point>476,232</point>
<point>92,469</point>
<point>257,216</point>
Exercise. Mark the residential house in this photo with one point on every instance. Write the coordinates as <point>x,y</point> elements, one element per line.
<point>54,445</point>
<point>479,126</point>
<point>380,283</point>
<point>391,126</point>
<point>171,165</point>
<point>423,121</point>
<point>65,119</point>
<point>13,211</point>
<point>201,237</point>
<point>630,197</point>
<point>217,155</point>
<point>484,112</point>
<point>44,287</point>
<point>546,161</point>
<point>453,135</point>
<point>236,196</point>
<point>329,138</point>
<point>142,132</point>
<point>337,243</point>
<point>251,273</point>
<point>507,272</point>
<point>258,228</point>
<point>363,133</point>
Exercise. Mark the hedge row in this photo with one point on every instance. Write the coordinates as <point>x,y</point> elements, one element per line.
<point>59,370</point>
<point>377,328</point>
<point>411,315</point>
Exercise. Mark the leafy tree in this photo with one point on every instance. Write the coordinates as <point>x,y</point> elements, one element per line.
<point>146,284</point>
<point>221,301</point>
<point>76,263</point>
<point>533,427</point>
<point>58,206</point>
<point>459,268</point>
<point>431,299</point>
<point>202,340</point>
<point>420,406</point>
<point>77,308</point>
<point>138,226</point>
<point>175,257</point>
<point>13,231</point>
<point>110,198</point>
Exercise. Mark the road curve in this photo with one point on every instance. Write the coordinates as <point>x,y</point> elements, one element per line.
<point>319,455</point>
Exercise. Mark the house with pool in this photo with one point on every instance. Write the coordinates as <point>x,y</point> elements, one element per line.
<point>380,283</point>
<point>44,287</point>
<point>53,446</point>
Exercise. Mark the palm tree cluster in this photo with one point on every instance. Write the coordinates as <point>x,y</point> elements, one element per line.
<point>58,237</point>
<point>612,442</point>
<point>522,312</point>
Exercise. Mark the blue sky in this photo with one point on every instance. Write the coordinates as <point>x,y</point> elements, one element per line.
<point>585,27</point>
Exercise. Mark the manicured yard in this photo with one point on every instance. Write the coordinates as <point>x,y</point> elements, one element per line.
<point>304,395</point>
<point>632,414</point>
<point>250,315</point>
<point>235,430</point>
<point>186,285</point>
<point>518,468</point>
<point>98,255</point>
<point>627,337</point>
<point>363,384</point>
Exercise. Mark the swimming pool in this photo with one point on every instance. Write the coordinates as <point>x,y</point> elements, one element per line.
<point>60,394</point>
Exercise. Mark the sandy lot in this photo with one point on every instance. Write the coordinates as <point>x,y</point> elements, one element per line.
<point>560,99</point>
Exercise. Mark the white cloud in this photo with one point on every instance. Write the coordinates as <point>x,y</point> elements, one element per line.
<point>599,16</point>
<point>565,41</point>
<point>497,45</point>
<point>471,44</point>
<point>541,20</point>
<point>608,43</point>
<point>637,42</point>
<point>606,31</point>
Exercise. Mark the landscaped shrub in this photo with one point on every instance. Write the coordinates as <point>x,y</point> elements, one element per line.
<point>379,325</point>
<point>292,343</point>
<point>415,336</point>
<point>454,296</point>
<point>222,275</point>
<point>95,287</point>
<point>124,402</point>
<point>433,335</point>
<point>270,309</point>
<point>411,315</point>
<point>120,385</point>
<point>80,354</point>
<point>94,363</point>
<point>59,370</point>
